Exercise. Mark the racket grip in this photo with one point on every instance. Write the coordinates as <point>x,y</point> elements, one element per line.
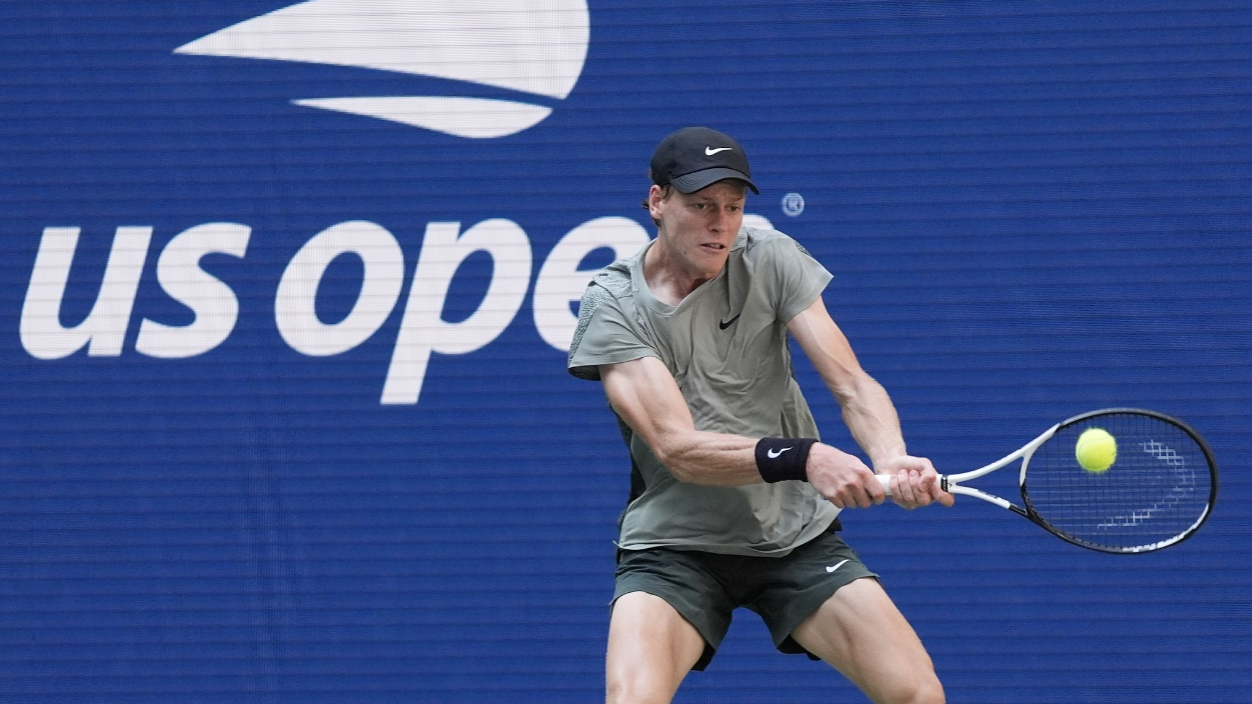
<point>885,480</point>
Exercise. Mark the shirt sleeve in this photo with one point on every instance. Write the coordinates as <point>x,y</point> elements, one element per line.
<point>604,335</point>
<point>798,277</point>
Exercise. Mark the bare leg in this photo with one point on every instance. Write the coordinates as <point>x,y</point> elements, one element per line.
<point>651,649</point>
<point>861,633</point>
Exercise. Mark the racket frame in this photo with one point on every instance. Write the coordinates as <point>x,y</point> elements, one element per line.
<point>952,483</point>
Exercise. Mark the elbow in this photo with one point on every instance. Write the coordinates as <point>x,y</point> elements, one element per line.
<point>681,473</point>
<point>672,460</point>
<point>853,387</point>
<point>674,456</point>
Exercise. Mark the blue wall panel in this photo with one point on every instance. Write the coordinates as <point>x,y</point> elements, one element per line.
<point>1031,209</point>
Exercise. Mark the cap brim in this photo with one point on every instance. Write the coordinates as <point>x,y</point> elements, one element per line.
<point>690,183</point>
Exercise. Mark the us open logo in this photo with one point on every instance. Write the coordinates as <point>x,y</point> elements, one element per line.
<point>536,47</point>
<point>532,47</point>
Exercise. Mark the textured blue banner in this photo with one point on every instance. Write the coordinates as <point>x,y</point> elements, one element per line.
<point>286,291</point>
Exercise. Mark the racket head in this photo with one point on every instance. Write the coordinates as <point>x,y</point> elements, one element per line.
<point>1158,492</point>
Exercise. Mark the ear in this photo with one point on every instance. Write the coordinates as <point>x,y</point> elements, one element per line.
<point>656,199</point>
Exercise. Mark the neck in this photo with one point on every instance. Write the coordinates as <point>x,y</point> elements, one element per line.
<point>666,279</point>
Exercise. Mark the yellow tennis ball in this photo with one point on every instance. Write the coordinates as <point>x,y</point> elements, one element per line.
<point>1096,450</point>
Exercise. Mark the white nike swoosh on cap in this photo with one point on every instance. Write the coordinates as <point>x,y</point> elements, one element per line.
<point>710,151</point>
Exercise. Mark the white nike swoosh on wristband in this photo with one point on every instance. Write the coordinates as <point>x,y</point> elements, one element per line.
<point>832,568</point>
<point>773,454</point>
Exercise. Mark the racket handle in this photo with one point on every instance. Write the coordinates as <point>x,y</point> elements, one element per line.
<point>885,480</point>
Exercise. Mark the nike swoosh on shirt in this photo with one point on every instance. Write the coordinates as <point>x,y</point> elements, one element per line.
<point>728,323</point>
<point>832,568</point>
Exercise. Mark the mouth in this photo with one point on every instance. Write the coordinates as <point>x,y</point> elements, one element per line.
<point>715,246</point>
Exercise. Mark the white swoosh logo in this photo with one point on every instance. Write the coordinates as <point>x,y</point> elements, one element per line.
<point>832,568</point>
<point>531,46</point>
<point>773,454</point>
<point>710,151</point>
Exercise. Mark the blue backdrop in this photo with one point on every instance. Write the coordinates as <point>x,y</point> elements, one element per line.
<point>285,416</point>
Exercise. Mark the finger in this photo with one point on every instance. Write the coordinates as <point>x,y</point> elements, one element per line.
<point>850,498</point>
<point>921,493</point>
<point>870,492</point>
<point>938,494</point>
<point>925,471</point>
<point>903,492</point>
<point>873,488</point>
<point>929,482</point>
<point>900,491</point>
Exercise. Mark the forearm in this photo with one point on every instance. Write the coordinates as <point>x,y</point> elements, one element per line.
<point>708,458</point>
<point>644,394</point>
<point>872,419</point>
<point>867,410</point>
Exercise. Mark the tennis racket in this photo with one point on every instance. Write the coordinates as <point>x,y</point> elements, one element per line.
<point>1157,493</point>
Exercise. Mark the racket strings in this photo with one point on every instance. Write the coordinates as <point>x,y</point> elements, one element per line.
<point>1157,491</point>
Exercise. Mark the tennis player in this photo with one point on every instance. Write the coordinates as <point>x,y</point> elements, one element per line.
<point>733,499</point>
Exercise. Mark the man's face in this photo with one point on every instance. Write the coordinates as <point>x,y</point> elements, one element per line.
<point>699,228</point>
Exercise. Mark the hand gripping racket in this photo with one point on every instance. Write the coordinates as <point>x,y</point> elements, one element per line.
<point>1158,492</point>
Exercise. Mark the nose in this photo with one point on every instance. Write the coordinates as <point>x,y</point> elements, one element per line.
<point>717,221</point>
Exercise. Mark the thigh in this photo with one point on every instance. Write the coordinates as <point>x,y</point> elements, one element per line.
<point>687,583</point>
<point>861,633</point>
<point>651,649</point>
<point>787,590</point>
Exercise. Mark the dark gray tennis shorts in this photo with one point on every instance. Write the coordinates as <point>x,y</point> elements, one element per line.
<point>706,587</point>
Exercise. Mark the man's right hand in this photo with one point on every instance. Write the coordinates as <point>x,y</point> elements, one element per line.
<point>843,479</point>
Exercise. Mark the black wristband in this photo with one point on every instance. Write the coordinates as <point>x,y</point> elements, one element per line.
<point>780,459</point>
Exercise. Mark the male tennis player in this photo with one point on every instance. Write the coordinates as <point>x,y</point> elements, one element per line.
<point>733,500</point>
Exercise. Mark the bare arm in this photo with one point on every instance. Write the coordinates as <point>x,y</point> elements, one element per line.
<point>867,411</point>
<point>644,394</point>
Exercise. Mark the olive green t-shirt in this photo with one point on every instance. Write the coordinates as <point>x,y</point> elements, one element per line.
<point>726,345</point>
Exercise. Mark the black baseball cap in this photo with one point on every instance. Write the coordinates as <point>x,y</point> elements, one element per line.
<point>696,157</point>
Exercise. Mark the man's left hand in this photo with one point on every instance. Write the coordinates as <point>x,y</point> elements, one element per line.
<point>914,482</point>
